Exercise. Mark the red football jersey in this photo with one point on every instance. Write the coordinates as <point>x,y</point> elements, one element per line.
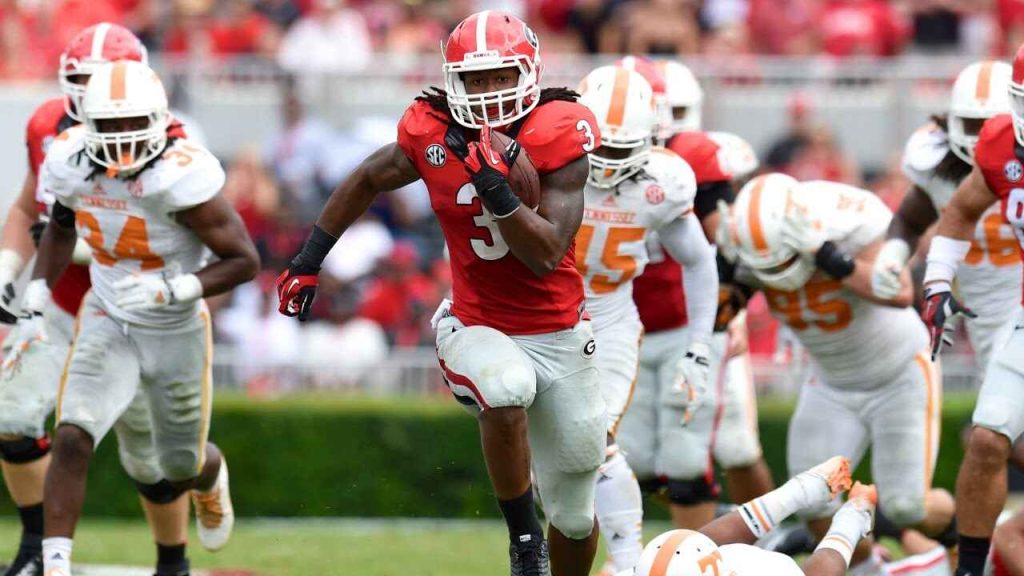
<point>658,292</point>
<point>46,123</point>
<point>996,155</point>
<point>490,286</point>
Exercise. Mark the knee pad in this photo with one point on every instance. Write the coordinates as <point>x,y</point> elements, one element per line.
<point>24,450</point>
<point>904,512</point>
<point>180,465</point>
<point>163,492</point>
<point>692,492</point>
<point>573,525</point>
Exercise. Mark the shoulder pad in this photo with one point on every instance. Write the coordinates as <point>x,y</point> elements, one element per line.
<point>186,175</point>
<point>675,177</point>
<point>557,133</point>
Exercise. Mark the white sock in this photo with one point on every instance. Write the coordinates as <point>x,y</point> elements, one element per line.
<point>800,493</point>
<point>57,555</point>
<point>849,525</point>
<point>620,510</point>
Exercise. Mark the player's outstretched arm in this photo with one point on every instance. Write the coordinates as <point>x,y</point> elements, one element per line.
<point>949,247</point>
<point>685,241</point>
<point>386,169</point>
<point>220,228</point>
<point>540,239</point>
<point>16,244</point>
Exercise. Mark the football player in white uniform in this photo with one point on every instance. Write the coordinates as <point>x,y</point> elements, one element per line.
<point>679,459</point>
<point>936,159</point>
<point>724,547</point>
<point>811,246</point>
<point>150,209</point>
<point>32,368</point>
<point>633,190</point>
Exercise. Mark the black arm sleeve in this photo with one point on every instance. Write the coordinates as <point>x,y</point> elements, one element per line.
<point>708,195</point>
<point>62,215</point>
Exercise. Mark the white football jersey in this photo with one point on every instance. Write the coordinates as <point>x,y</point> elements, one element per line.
<point>855,342</point>
<point>130,224</point>
<point>611,246</point>
<point>747,560</point>
<point>990,278</point>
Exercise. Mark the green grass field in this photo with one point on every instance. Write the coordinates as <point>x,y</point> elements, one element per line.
<point>311,547</point>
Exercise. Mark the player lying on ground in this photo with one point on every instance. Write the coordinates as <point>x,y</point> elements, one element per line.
<point>725,546</point>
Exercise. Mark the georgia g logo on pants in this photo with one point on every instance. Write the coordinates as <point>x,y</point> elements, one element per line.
<point>589,348</point>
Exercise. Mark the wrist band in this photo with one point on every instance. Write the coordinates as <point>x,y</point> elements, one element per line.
<point>832,260</point>
<point>944,257</point>
<point>314,250</point>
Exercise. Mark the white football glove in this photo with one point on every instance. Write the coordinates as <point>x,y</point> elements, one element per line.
<point>801,233</point>
<point>889,265</point>
<point>31,326</point>
<point>692,377</point>
<point>140,292</point>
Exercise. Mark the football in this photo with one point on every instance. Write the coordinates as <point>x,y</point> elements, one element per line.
<point>523,176</point>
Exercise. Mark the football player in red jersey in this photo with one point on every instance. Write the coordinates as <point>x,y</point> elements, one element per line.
<point>999,415</point>
<point>723,430</point>
<point>32,369</point>
<point>516,338</point>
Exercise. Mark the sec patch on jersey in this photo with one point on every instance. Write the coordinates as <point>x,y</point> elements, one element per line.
<point>1013,170</point>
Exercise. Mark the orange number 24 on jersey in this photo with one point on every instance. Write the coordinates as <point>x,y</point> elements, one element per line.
<point>132,244</point>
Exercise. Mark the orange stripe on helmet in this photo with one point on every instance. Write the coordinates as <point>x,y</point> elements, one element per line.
<point>668,551</point>
<point>117,81</point>
<point>617,107</point>
<point>984,85</point>
<point>754,215</point>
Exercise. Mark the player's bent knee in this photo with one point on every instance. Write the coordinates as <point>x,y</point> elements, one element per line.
<point>162,492</point>
<point>988,446</point>
<point>575,526</point>
<point>24,450</point>
<point>691,492</point>
<point>904,511</point>
<point>179,466</point>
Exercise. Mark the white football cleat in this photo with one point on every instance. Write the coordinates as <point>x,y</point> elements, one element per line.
<point>215,516</point>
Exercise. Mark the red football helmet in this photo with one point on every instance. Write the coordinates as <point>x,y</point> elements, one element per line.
<point>487,41</point>
<point>96,45</point>
<point>1017,96</point>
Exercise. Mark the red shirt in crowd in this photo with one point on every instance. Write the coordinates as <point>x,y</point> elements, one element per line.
<point>862,28</point>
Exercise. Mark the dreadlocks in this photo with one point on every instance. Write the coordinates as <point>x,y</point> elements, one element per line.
<point>438,98</point>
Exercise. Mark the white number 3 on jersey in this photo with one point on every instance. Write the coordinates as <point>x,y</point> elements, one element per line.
<point>588,133</point>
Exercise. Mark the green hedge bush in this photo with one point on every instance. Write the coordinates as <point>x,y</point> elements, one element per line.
<point>330,456</point>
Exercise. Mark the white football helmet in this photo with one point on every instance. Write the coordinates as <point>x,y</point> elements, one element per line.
<point>756,224</point>
<point>682,553</point>
<point>980,92</point>
<point>125,89</point>
<point>623,103</point>
<point>683,96</point>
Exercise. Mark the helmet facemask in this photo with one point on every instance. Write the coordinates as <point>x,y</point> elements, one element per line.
<point>494,108</point>
<point>782,270</point>
<point>618,158</point>
<point>125,144</point>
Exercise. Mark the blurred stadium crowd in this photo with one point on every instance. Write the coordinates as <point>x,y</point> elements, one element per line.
<point>34,31</point>
<point>386,276</point>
